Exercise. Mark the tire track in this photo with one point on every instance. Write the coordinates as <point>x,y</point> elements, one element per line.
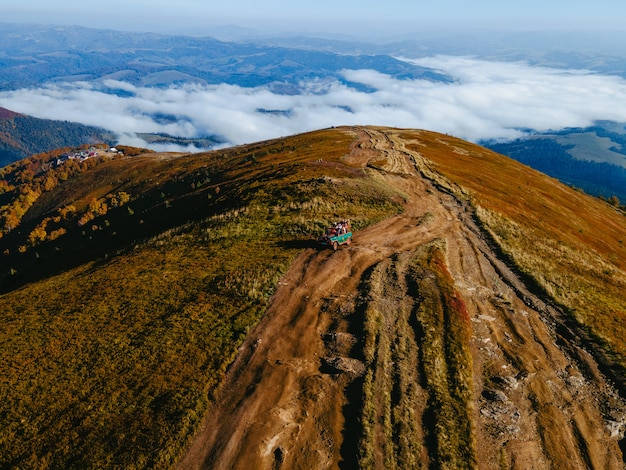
<point>293,397</point>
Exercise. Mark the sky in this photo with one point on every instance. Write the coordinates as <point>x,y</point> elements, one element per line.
<point>487,101</point>
<point>358,17</point>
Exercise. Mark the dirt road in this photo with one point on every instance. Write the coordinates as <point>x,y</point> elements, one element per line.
<point>294,396</point>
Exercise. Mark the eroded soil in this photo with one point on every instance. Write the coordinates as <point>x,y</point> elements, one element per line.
<point>292,398</point>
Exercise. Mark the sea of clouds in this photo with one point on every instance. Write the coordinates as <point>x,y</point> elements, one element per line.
<point>487,101</point>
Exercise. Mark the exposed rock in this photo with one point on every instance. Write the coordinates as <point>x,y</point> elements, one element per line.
<point>506,382</point>
<point>344,365</point>
<point>575,381</point>
<point>616,428</point>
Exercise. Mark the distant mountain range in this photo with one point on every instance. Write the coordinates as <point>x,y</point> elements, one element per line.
<point>601,52</point>
<point>32,55</point>
<point>21,135</point>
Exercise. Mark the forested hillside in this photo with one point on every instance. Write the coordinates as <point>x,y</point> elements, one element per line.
<point>592,158</point>
<point>21,135</point>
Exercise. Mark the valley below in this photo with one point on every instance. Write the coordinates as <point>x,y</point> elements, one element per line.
<point>417,346</point>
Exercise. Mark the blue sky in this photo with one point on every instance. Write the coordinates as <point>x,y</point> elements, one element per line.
<point>355,17</point>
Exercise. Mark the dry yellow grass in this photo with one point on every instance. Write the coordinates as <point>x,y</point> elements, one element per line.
<point>116,333</point>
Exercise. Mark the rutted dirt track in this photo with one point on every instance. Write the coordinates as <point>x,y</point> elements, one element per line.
<point>292,398</point>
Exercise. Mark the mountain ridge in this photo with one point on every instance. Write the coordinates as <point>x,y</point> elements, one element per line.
<point>7,113</point>
<point>44,54</point>
<point>40,55</point>
<point>271,422</point>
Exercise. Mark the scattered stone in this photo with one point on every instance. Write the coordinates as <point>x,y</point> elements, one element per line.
<point>512,429</point>
<point>575,381</point>
<point>339,341</point>
<point>344,365</point>
<point>506,381</point>
<point>616,429</point>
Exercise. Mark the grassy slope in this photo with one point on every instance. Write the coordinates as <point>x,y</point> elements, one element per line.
<point>116,333</point>
<point>571,244</point>
<point>110,354</point>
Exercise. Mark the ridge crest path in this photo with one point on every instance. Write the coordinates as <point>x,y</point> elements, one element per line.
<point>291,397</point>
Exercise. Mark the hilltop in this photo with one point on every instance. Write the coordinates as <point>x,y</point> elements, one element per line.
<point>181,314</point>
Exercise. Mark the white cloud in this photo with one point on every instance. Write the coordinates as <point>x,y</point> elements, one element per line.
<point>488,100</point>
